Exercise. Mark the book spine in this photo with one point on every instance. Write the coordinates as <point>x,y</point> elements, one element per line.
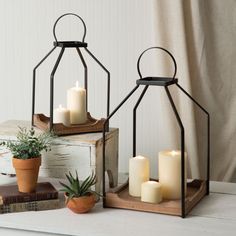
<point>30,206</point>
<point>29,198</point>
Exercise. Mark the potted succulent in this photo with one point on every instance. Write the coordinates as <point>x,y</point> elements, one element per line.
<point>26,151</point>
<point>78,194</point>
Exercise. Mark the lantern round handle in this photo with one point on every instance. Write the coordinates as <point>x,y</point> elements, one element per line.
<point>163,49</point>
<point>69,14</point>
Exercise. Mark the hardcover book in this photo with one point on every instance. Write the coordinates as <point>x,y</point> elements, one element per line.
<point>9,194</point>
<point>30,206</point>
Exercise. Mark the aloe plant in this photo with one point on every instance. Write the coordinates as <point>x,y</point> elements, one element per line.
<point>77,188</point>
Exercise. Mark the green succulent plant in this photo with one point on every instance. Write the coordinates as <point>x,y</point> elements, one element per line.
<point>29,144</point>
<point>77,188</point>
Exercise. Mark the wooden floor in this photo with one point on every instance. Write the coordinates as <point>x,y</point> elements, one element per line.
<point>214,215</point>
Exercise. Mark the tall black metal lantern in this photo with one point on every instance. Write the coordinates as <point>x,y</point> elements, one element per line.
<point>43,122</point>
<point>197,189</point>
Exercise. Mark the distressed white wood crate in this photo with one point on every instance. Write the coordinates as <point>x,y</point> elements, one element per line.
<point>69,153</point>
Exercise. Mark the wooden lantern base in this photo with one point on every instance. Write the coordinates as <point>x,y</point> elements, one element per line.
<point>120,198</point>
<point>92,125</point>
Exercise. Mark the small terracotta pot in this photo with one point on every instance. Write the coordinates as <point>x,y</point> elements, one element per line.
<point>81,204</point>
<point>27,173</point>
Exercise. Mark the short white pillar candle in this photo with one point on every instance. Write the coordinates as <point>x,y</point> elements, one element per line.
<point>76,103</point>
<point>138,173</point>
<point>151,192</point>
<point>169,166</point>
<point>61,115</point>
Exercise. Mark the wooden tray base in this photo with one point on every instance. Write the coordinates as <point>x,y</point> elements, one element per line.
<point>91,126</point>
<point>120,198</point>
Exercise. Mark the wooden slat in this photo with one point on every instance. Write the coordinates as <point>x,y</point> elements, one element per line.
<point>92,125</point>
<point>223,187</point>
<point>120,198</point>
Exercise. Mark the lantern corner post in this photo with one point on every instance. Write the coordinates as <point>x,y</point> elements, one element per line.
<point>52,87</point>
<point>208,136</point>
<point>104,141</point>
<point>182,138</point>
<point>34,83</point>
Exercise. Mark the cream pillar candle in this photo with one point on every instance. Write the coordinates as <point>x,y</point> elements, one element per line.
<point>138,173</point>
<point>76,103</point>
<point>151,192</point>
<point>61,115</point>
<point>169,166</point>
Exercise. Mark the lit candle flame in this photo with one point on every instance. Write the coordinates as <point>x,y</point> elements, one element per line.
<point>140,157</point>
<point>60,106</point>
<point>77,84</point>
<point>173,153</point>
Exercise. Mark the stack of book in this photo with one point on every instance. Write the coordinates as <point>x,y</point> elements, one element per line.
<point>44,198</point>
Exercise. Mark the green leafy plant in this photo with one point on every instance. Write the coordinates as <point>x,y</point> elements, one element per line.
<point>29,144</point>
<point>77,188</point>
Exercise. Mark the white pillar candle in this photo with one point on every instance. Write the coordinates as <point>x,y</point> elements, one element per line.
<point>61,115</point>
<point>169,166</point>
<point>76,103</point>
<point>151,192</point>
<point>138,173</point>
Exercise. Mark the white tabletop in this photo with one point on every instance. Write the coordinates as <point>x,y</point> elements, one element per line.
<point>214,215</point>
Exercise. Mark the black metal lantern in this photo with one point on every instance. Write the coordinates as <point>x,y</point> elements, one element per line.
<point>118,198</point>
<point>43,122</point>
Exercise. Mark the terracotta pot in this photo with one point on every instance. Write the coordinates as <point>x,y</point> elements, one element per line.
<point>81,204</point>
<point>27,173</point>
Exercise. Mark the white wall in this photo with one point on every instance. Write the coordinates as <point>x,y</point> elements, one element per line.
<point>117,32</point>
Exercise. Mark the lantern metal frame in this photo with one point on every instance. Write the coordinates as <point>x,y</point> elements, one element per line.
<point>41,121</point>
<point>164,82</point>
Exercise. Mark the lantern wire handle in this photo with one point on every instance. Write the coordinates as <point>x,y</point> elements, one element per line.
<point>163,49</point>
<point>69,14</point>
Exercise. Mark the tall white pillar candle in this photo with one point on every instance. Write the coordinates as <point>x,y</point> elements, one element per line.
<point>61,115</point>
<point>151,192</point>
<point>76,103</point>
<point>138,173</point>
<point>169,166</point>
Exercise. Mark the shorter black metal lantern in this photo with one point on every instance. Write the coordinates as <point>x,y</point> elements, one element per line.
<point>196,189</point>
<point>43,122</point>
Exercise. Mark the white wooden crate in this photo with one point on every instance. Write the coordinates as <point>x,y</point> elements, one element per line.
<point>69,153</point>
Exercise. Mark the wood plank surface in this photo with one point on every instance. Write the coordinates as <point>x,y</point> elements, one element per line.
<point>120,198</point>
<point>215,215</point>
<point>9,129</point>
